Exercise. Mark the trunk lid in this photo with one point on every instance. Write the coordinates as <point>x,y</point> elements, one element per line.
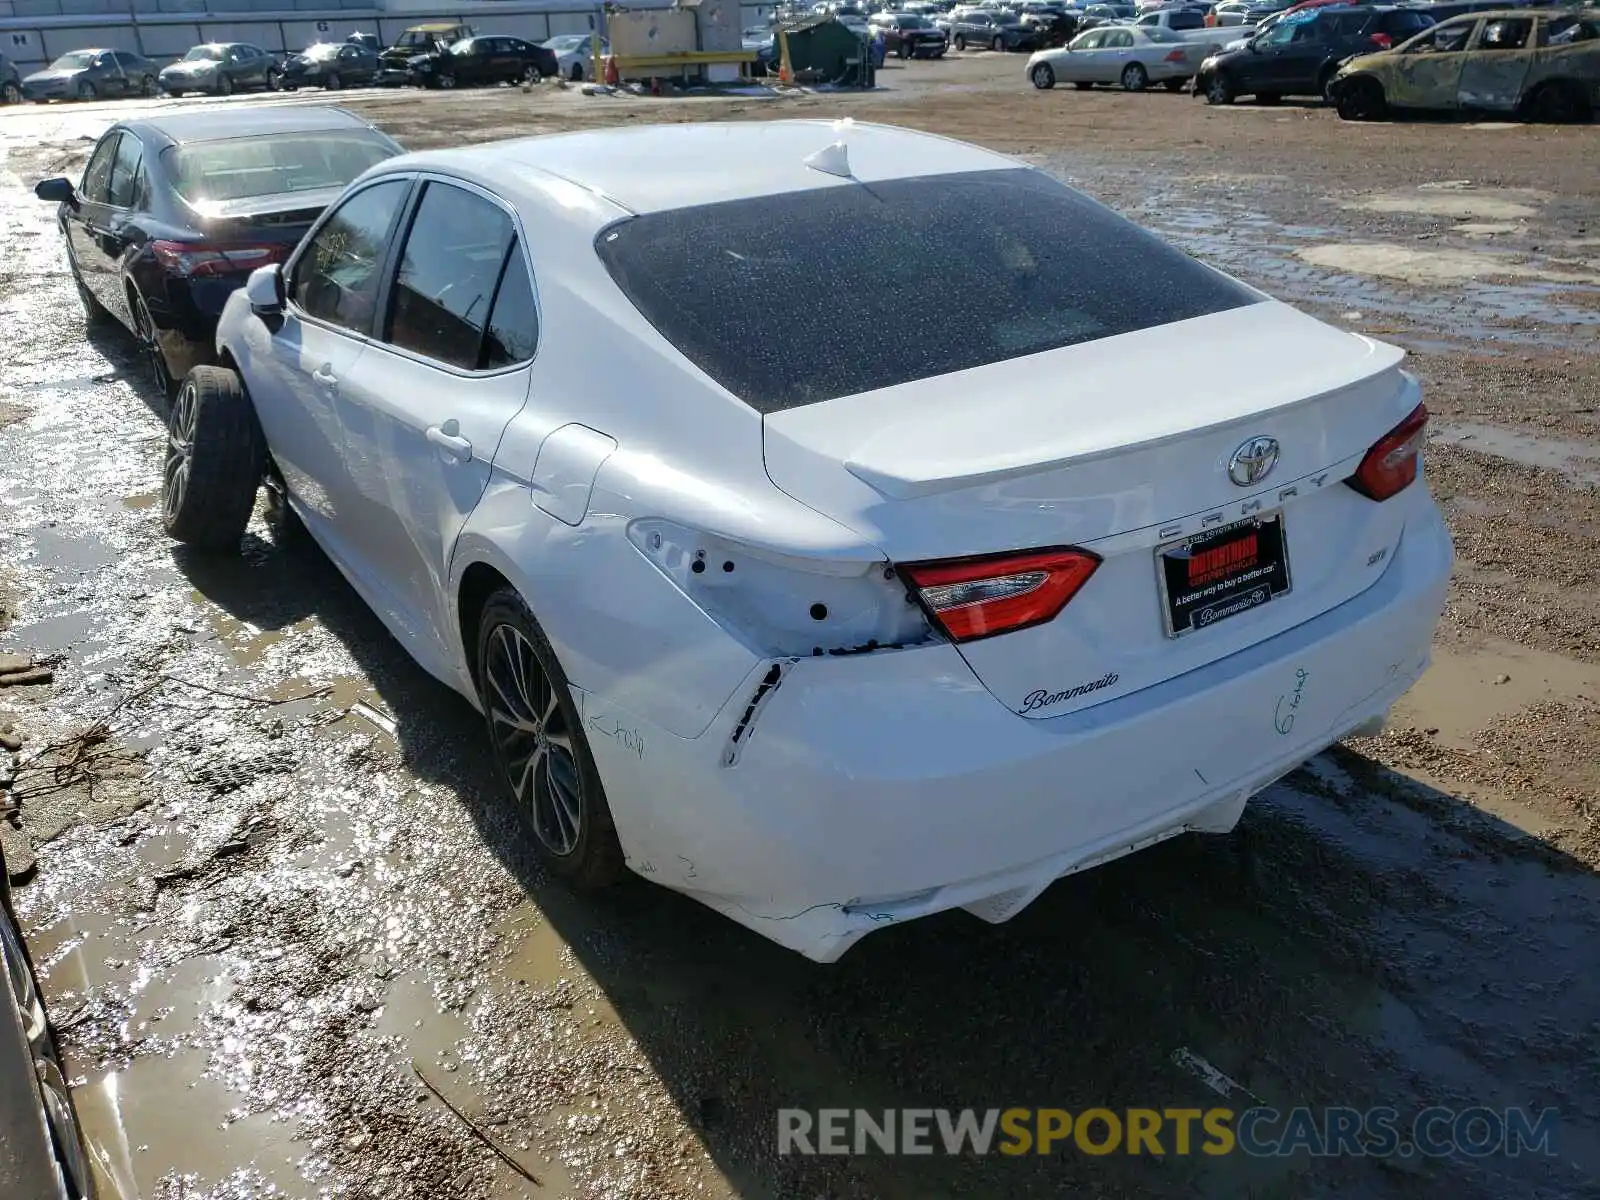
<point>1119,446</point>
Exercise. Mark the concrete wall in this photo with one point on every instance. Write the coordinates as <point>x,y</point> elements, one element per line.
<point>35,32</point>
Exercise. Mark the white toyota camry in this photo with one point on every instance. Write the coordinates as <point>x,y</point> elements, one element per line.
<point>828,636</point>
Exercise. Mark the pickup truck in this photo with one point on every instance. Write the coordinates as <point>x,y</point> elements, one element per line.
<point>1190,25</point>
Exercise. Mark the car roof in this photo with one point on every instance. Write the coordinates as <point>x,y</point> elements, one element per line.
<point>657,167</point>
<point>215,124</point>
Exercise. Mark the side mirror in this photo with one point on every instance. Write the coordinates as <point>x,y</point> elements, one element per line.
<point>58,191</point>
<point>264,289</point>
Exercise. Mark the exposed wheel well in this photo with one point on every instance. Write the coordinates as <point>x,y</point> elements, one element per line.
<point>479,583</point>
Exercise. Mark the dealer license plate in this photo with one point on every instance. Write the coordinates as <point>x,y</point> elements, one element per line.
<point>1218,574</point>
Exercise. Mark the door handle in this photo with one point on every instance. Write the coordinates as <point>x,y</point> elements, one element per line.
<point>325,376</point>
<point>448,438</point>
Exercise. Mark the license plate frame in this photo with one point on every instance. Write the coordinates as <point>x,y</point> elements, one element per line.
<point>1257,581</point>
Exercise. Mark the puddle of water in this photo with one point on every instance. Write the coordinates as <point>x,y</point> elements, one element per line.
<point>1461,693</point>
<point>1576,460</point>
<point>1443,265</point>
<point>163,1118</point>
<point>1465,205</point>
<point>142,501</point>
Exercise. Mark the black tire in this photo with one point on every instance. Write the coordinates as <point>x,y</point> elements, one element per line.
<point>148,87</point>
<point>86,90</point>
<point>145,330</point>
<point>1360,99</point>
<point>285,524</point>
<point>961,41</point>
<point>1043,76</point>
<point>1083,87</point>
<point>331,81</point>
<point>903,50</point>
<point>1175,85</point>
<point>445,80</point>
<point>224,85</point>
<point>1219,89</point>
<point>998,45</point>
<point>215,458</point>
<point>274,80</point>
<point>531,74</point>
<point>577,72</point>
<point>539,746</point>
<point>1135,78</point>
<point>10,93</point>
<point>1558,103</point>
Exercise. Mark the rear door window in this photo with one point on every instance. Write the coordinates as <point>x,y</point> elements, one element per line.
<point>1506,34</point>
<point>97,175</point>
<point>450,266</point>
<point>125,172</point>
<point>1040,267</point>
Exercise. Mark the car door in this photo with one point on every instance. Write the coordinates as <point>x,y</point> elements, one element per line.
<point>1427,71</point>
<point>91,215</point>
<point>1077,64</point>
<point>1297,65</point>
<point>424,412</point>
<point>1497,63</point>
<point>1115,53</point>
<point>297,364</point>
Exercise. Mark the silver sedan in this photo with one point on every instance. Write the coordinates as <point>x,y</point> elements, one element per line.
<point>1133,56</point>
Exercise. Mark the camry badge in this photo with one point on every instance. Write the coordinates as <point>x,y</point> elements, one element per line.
<point>1253,461</point>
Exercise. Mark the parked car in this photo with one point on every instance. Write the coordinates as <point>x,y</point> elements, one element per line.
<point>1097,15</point>
<point>1539,63</point>
<point>1134,56</point>
<point>907,35</point>
<point>175,210</point>
<point>575,53</point>
<point>330,65</point>
<point>221,68</point>
<point>485,59</point>
<point>394,66</point>
<point>1299,55</point>
<point>44,1152</point>
<point>10,82</point>
<point>986,31</point>
<point>800,592</point>
<point>90,75</point>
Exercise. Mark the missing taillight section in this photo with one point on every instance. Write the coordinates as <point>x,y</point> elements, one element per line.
<point>1395,460</point>
<point>978,597</point>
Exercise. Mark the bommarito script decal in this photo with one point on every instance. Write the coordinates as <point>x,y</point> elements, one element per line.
<point>1040,698</point>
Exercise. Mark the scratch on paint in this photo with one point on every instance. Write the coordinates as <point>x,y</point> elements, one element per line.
<point>1214,1079</point>
<point>1203,779</point>
<point>691,873</point>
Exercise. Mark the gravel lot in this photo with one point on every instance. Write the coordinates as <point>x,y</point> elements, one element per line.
<point>281,912</point>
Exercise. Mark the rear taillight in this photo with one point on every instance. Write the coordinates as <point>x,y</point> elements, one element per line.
<point>978,597</point>
<point>1382,41</point>
<point>1175,56</point>
<point>204,258</point>
<point>1392,464</point>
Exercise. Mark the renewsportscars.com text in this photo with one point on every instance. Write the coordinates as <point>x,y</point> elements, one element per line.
<point>1259,1132</point>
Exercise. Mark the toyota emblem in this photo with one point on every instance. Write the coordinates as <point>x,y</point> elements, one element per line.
<point>1253,461</point>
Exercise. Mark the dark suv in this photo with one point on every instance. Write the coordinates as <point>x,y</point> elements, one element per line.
<point>1298,55</point>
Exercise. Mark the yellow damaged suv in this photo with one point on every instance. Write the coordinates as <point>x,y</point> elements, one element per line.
<point>1542,64</point>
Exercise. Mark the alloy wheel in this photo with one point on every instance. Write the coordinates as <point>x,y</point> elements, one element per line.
<point>145,328</point>
<point>535,741</point>
<point>180,450</point>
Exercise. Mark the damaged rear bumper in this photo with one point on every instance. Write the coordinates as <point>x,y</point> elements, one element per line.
<point>873,789</point>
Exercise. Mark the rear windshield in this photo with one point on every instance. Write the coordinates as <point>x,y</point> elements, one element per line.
<point>241,168</point>
<point>782,299</point>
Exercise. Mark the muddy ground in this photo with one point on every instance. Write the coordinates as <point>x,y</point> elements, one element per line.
<point>281,911</point>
